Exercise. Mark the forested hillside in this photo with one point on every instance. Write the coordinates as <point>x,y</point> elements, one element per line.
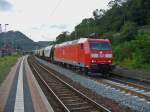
<point>123,23</point>
<point>18,40</point>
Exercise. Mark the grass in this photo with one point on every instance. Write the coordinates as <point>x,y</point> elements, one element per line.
<point>5,65</point>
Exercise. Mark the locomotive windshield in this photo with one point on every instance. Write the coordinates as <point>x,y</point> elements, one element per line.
<point>100,46</point>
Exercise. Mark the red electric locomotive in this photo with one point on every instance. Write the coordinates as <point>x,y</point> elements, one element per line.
<point>92,55</point>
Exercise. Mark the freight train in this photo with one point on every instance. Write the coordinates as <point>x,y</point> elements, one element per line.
<point>85,54</point>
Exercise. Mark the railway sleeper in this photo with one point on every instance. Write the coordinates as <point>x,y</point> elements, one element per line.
<point>63,92</point>
<point>81,108</point>
<point>57,86</point>
<point>77,105</point>
<point>62,95</point>
<point>54,85</point>
<point>52,81</point>
<point>80,103</point>
<point>70,97</point>
<point>88,109</point>
<point>60,86</point>
<point>72,100</point>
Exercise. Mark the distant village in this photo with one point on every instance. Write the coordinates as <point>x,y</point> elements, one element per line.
<point>7,48</point>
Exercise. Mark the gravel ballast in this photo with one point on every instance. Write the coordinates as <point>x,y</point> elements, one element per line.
<point>133,102</point>
<point>133,74</point>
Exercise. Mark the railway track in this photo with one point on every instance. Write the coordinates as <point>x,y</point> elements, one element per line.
<point>126,87</point>
<point>133,82</point>
<point>138,86</point>
<point>70,99</point>
<point>123,86</point>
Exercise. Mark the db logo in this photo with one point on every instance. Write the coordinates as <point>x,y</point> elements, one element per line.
<point>101,55</point>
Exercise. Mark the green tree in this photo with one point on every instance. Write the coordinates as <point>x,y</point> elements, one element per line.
<point>62,37</point>
<point>128,31</point>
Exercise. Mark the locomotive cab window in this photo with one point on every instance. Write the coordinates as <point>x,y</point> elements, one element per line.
<point>100,46</point>
<point>81,46</point>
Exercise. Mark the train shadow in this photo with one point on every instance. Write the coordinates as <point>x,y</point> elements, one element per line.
<point>94,75</point>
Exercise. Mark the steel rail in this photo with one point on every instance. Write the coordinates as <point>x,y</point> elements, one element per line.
<point>98,106</point>
<point>140,80</point>
<point>50,89</point>
<point>132,84</point>
<point>117,85</point>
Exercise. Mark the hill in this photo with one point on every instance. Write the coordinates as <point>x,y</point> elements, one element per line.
<point>19,41</point>
<point>44,43</point>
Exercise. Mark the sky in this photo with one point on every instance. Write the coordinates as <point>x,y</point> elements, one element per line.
<point>44,20</point>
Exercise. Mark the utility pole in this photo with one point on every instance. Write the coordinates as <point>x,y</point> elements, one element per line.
<point>94,27</point>
<point>0,28</point>
<point>75,33</point>
<point>6,25</point>
<point>87,27</point>
<point>78,30</point>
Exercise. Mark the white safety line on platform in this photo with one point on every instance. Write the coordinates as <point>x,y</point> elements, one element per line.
<point>19,102</point>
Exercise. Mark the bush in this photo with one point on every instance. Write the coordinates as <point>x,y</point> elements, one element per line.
<point>124,50</point>
<point>135,53</point>
<point>128,31</point>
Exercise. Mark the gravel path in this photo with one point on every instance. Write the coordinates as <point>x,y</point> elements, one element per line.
<point>134,102</point>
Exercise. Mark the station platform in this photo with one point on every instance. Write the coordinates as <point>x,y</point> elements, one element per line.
<point>20,92</point>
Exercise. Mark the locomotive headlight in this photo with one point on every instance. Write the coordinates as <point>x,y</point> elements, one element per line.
<point>109,61</point>
<point>94,55</point>
<point>93,61</point>
<point>108,55</point>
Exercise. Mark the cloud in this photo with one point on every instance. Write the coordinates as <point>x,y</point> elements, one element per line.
<point>44,26</point>
<point>58,26</point>
<point>35,28</point>
<point>5,5</point>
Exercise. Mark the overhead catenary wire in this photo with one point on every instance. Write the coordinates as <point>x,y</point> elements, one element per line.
<point>55,8</point>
